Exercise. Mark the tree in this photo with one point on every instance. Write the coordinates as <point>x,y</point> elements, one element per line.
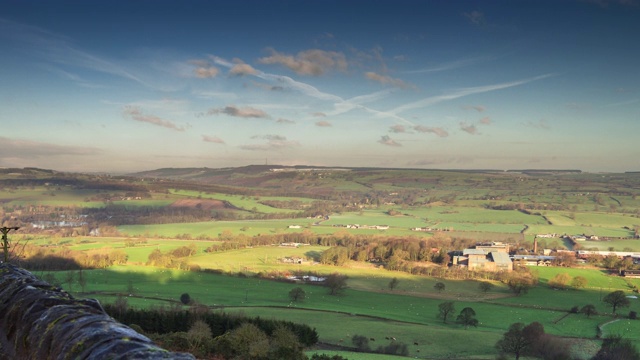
<point>326,357</point>
<point>514,341</point>
<point>130,289</point>
<point>68,279</point>
<point>616,300</point>
<point>121,305</point>
<point>439,286</point>
<point>559,281</point>
<point>467,318</point>
<point>485,286</point>
<point>297,294</point>
<point>185,299</point>
<point>82,280</point>
<point>616,348</point>
<point>336,283</point>
<point>579,282</point>
<point>246,341</point>
<point>361,343</point>
<point>337,255</point>
<point>519,286</point>
<point>589,310</point>
<point>393,283</point>
<point>198,335</point>
<point>284,344</point>
<point>445,309</point>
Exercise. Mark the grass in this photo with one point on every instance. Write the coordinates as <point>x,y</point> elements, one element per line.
<point>243,201</point>
<point>368,308</point>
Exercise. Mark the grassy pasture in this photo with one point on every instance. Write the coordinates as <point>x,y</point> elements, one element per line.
<point>370,313</point>
<point>213,228</point>
<point>71,197</point>
<point>243,201</point>
<point>368,306</point>
<point>459,214</point>
<point>355,355</point>
<point>593,220</point>
<point>434,341</point>
<point>618,245</point>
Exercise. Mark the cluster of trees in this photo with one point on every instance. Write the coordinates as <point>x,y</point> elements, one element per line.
<point>231,336</point>
<point>564,280</point>
<point>361,344</point>
<point>467,316</point>
<point>172,259</point>
<point>531,340</point>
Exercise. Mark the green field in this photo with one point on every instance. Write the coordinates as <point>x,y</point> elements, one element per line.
<point>458,206</point>
<point>368,307</point>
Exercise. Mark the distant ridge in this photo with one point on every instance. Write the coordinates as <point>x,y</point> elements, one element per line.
<point>252,169</point>
<point>547,171</point>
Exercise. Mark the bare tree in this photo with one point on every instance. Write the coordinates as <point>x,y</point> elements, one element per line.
<point>445,309</point>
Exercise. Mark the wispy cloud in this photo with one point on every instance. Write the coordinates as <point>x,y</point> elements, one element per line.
<point>242,112</point>
<point>212,139</point>
<point>75,78</point>
<point>478,108</point>
<point>605,3</point>
<point>475,17</point>
<point>461,93</point>
<point>387,80</point>
<point>623,103</point>
<point>433,130</point>
<point>323,123</point>
<point>319,114</point>
<point>387,140</point>
<point>285,121</point>
<point>540,124</point>
<point>313,62</point>
<point>449,65</point>
<point>341,105</point>
<point>59,49</point>
<point>136,114</point>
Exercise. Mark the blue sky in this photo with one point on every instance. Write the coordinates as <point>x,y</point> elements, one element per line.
<point>122,86</point>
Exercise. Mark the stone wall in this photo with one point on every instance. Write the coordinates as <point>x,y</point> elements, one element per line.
<point>41,321</point>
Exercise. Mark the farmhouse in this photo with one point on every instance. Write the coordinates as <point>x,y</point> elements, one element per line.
<point>631,273</point>
<point>292,260</point>
<point>484,259</point>
<point>292,244</point>
<point>494,246</point>
<point>421,229</point>
<point>533,260</point>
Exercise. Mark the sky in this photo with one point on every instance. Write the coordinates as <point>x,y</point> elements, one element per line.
<point>124,86</point>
